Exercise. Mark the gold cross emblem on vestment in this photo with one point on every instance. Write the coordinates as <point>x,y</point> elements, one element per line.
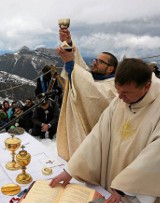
<point>127,130</point>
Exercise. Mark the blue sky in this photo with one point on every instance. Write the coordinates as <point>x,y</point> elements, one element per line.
<point>123,27</point>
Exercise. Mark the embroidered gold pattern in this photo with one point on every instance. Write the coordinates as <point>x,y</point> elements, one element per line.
<point>127,130</point>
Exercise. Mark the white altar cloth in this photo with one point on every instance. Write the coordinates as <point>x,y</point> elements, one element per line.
<point>40,156</point>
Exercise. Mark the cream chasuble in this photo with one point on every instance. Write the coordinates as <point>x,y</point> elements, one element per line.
<point>83,103</point>
<point>122,150</point>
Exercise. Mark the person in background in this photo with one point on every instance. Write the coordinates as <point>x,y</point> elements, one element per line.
<point>20,122</point>
<point>45,120</point>
<point>28,124</point>
<point>11,110</point>
<point>3,116</point>
<point>155,69</point>
<point>121,151</point>
<point>87,93</point>
<point>5,106</point>
<point>43,83</point>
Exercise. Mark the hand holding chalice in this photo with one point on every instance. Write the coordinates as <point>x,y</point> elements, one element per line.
<point>65,34</point>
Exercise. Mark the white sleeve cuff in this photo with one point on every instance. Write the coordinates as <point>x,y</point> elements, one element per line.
<point>66,169</point>
<point>49,125</point>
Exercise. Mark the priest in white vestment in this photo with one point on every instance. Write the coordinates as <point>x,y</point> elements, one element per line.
<point>121,153</point>
<point>87,94</point>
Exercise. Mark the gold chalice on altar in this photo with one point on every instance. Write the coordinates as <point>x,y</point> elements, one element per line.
<point>64,23</point>
<point>23,159</point>
<point>12,144</point>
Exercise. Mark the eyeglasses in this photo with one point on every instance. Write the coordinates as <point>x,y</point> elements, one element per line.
<point>100,61</point>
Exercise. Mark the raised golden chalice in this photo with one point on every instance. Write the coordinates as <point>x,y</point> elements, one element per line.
<point>64,23</point>
<point>23,159</point>
<point>12,144</point>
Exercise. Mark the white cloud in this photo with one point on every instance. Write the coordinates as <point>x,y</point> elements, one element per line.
<point>35,23</point>
<point>120,44</point>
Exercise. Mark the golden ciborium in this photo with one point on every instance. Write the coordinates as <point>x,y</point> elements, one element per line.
<point>12,144</point>
<point>64,23</point>
<point>23,159</point>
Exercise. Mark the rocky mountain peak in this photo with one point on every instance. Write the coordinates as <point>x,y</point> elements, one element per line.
<point>25,48</point>
<point>28,63</point>
<point>16,88</point>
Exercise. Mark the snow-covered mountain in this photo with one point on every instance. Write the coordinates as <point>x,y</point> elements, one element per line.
<point>28,63</point>
<point>19,71</point>
<point>13,87</point>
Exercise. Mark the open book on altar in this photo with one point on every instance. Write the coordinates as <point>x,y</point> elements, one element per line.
<point>41,192</point>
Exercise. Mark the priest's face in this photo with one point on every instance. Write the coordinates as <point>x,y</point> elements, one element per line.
<point>101,65</point>
<point>130,93</point>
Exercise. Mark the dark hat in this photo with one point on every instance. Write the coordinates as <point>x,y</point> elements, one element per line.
<point>46,69</point>
<point>19,105</point>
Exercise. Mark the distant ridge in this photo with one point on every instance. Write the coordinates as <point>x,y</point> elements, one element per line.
<point>28,63</point>
<point>25,66</point>
<point>12,87</point>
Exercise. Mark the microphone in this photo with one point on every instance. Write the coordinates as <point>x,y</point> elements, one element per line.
<point>47,94</point>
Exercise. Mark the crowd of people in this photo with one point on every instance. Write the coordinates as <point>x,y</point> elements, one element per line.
<point>38,117</point>
<point>12,110</point>
<point>103,124</point>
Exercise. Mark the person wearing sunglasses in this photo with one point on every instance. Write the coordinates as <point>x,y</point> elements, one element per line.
<point>87,93</point>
